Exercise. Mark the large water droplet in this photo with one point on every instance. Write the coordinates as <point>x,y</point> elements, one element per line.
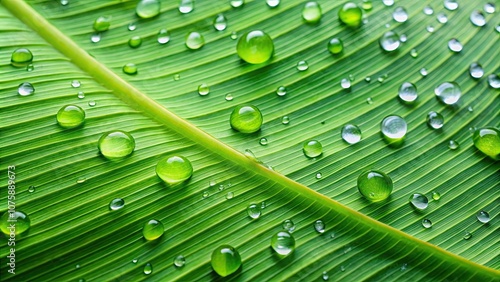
<point>400,15</point>
<point>203,89</point>
<point>487,140</point>
<point>435,120</point>
<point>70,116</point>
<point>477,18</point>
<point>483,216</point>
<point>335,46</point>
<point>225,260</point>
<point>494,80</point>
<point>455,45</point>
<point>21,220</point>
<point>75,83</point>
<point>288,225</point>
<point>476,70</point>
<point>186,6</point>
<point>148,8</point>
<point>255,47</point>
<point>419,201</point>
<point>153,229</point>
<point>408,92</point>
<point>148,269</point>
<point>374,185</point>
<point>285,120</point>
<point>319,226</point>
<point>350,133</point>
<point>228,97</point>
<point>179,261</point>
<point>389,41</point>
<point>393,128</point>
<point>117,144</point>
<point>174,169</point>
<point>442,18</point>
<point>21,57</point>
<point>351,15</point>
<point>102,23</point>
<point>448,92</point>
<point>25,89</point>
<point>426,223</point>
<point>451,5</point>
<point>254,211</point>
<point>283,243</point>
<point>489,8</point>
<point>220,22</point>
<point>116,204</point>
<point>163,36</point>
<point>345,83</point>
<point>246,119</point>
<point>311,12</point>
<point>130,69</point>
<point>135,41</point>
<point>302,65</point>
<point>312,148</point>
<point>194,40</point>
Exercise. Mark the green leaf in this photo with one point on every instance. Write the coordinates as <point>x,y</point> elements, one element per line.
<point>73,233</point>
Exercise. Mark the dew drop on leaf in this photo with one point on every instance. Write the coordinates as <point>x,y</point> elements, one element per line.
<point>419,201</point>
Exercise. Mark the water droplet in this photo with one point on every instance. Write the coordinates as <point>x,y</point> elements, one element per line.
<point>487,140</point>
<point>347,249</point>
<point>229,195</point>
<point>400,15</point>
<point>368,79</point>
<point>319,175</point>
<point>148,269</point>
<point>273,3</point>
<point>81,179</point>
<point>70,116</point>
<point>163,36</point>
<point>132,26</point>
<point>77,266</point>
<point>283,243</point>
<point>436,196</point>
<point>404,266</point>
<point>233,35</point>
<point>92,103</point>
<point>281,91</point>
<point>342,268</point>
<point>453,145</point>
<point>494,80</point>
<point>102,23</point>
<point>311,13</point>
<point>116,144</point>
<point>179,261</point>
<point>30,67</point>
<point>225,260</point>
<point>455,45</point>
<point>367,5</point>
<point>483,216</point>
<point>451,5</point>
<point>174,169</point>
<point>426,223</point>
<point>95,37</point>
<point>489,8</point>
<point>203,89</point>
<point>31,189</point>
<point>220,22</point>
<point>435,120</point>
<point>428,10</point>
<point>408,92</point>
<point>21,57</point>
<point>403,38</point>
<point>345,83</point>
<point>351,15</point>
<point>135,260</point>
<point>335,46</point>
<point>186,6</point>
<point>21,219</point>
<point>393,128</point>
<point>389,42</point>
<point>467,235</point>
<point>130,69</point>
<point>430,28</point>
<point>194,40</point>
<point>135,41</point>
<point>374,185</point>
<point>116,204</point>
<point>448,92</point>
<point>351,77</point>
<point>285,120</point>
<point>350,133</point>
<point>477,18</point>
<point>75,83</point>
<point>25,89</point>
<point>414,53</point>
<point>64,2</point>
<point>148,8</point>
<point>388,3</point>
<point>319,226</point>
<point>472,128</point>
<point>369,100</point>
<point>229,97</point>
<point>476,70</point>
<point>177,77</point>
<point>419,201</point>
<point>236,3</point>
<point>255,47</point>
<point>253,211</point>
<point>246,119</point>
<point>288,225</point>
<point>442,18</point>
<point>263,141</point>
<point>302,65</point>
<point>423,72</point>
<point>312,148</point>
<point>325,276</point>
<point>153,229</point>
<point>382,78</point>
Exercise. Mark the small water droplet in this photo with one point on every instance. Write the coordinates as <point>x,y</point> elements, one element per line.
<point>448,92</point>
<point>148,269</point>
<point>451,5</point>
<point>350,133</point>
<point>368,79</point>
<point>404,266</point>
<point>494,80</point>
<point>148,8</point>
<point>81,179</point>
<point>467,235</point>
<point>408,92</point>
<point>273,3</point>
<point>130,69</point>
<point>281,91</point>
<point>186,6</point>
<point>95,37</point>
<point>483,216</point>
<point>319,175</point>
<point>351,77</point>
<point>428,10</point>
<point>233,35</point>
<point>389,42</point>
<point>302,66</point>
<point>489,8</point>
<point>419,201</point>
<point>254,211</point>
<point>455,45</point>
<point>135,260</point>
<point>220,22</point>
<point>203,89</point>
<point>77,266</point>
<point>288,225</point>
<point>369,100</point>
<point>400,15</point>
<point>102,23</point>
<point>177,77</point>
<point>194,40</point>
<point>31,189</point>
<point>92,103</point>
<point>229,195</point>
<point>311,13</point>
<point>476,70</point>
<point>263,141</point>
<point>132,26</point>
<point>30,67</point>
<point>64,2</point>
<point>228,97</point>
<point>81,95</point>
<point>403,38</point>
<point>179,261</point>
<point>263,205</point>
<point>319,226</point>
<point>205,194</point>
<point>435,120</point>
<point>116,204</point>
<point>135,41</point>
<point>453,145</point>
<point>430,28</point>
<point>236,3</point>
<point>312,148</point>
<point>427,223</point>
<point>477,18</point>
<point>283,243</point>
<point>423,72</point>
<point>367,5</point>
<point>342,268</point>
<point>414,53</point>
<point>442,18</point>
<point>345,83</point>
<point>285,120</point>
<point>388,3</point>
<point>436,196</point>
<point>325,276</point>
<point>75,83</point>
<point>25,89</point>
<point>163,36</point>
<point>470,109</point>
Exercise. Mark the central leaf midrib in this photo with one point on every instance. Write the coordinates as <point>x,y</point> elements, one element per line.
<point>138,100</point>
